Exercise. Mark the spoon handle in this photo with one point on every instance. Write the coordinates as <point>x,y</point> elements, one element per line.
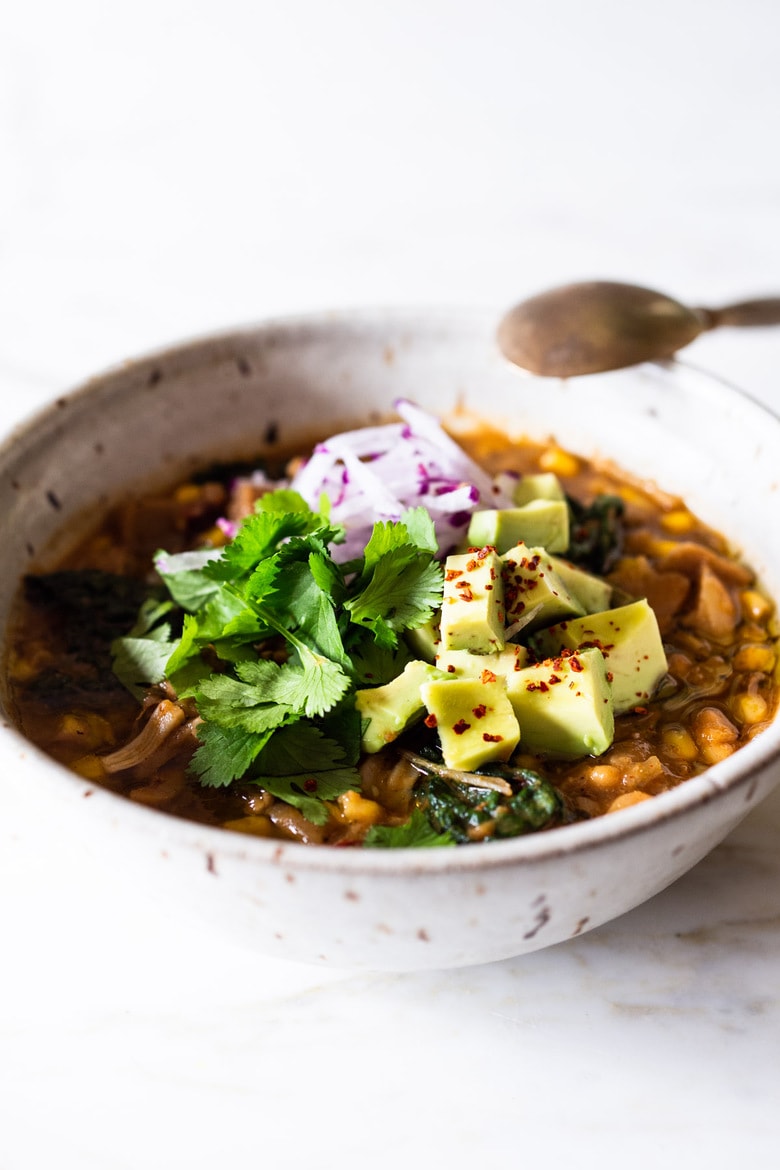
<point>764,311</point>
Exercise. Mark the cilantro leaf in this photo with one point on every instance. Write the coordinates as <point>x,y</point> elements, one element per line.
<point>184,578</point>
<point>414,833</point>
<point>343,724</point>
<point>315,686</point>
<point>230,702</point>
<point>374,664</point>
<point>225,753</point>
<point>140,662</point>
<point>307,790</point>
<point>284,500</point>
<point>404,590</point>
<point>139,659</point>
<point>294,750</point>
<point>305,767</point>
<point>256,539</point>
<point>309,609</point>
<point>419,525</point>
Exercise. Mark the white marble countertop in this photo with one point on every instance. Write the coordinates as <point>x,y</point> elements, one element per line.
<point>168,171</point>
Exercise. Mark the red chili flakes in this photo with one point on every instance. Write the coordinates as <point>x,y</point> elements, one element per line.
<point>472,566</point>
<point>488,738</point>
<point>310,784</point>
<point>576,665</point>
<point>610,676</point>
<point>479,712</point>
<point>492,573</point>
<point>460,727</point>
<point>487,676</point>
<point>465,593</point>
<point>450,669</point>
<point>451,574</point>
<point>553,679</point>
<point>537,686</point>
<point>596,643</point>
<point>431,720</point>
<point>488,587</point>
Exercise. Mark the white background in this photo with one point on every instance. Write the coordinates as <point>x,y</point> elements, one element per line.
<point>171,168</point>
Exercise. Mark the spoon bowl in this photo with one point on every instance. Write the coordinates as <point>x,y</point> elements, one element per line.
<point>592,326</point>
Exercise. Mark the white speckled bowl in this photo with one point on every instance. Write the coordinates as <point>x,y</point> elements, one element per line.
<point>218,397</point>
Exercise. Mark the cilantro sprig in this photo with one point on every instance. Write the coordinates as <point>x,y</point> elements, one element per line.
<point>270,636</point>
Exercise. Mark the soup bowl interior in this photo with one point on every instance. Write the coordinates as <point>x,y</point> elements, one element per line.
<point>255,390</point>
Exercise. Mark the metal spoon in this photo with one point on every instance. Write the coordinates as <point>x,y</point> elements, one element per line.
<point>605,325</point>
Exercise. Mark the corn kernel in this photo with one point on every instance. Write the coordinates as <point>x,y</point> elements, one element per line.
<point>257,826</point>
<point>558,461</point>
<point>604,776</point>
<point>679,743</point>
<point>22,669</point>
<point>213,536</point>
<point>654,546</point>
<point>713,753</point>
<point>749,708</point>
<point>633,496</point>
<point>755,605</point>
<point>90,767</point>
<point>188,493</point>
<point>755,658</point>
<point>626,799</point>
<point>89,731</point>
<point>715,735</point>
<point>678,521</point>
<point>355,807</point>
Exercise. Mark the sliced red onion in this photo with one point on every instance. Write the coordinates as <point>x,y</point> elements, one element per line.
<point>377,473</point>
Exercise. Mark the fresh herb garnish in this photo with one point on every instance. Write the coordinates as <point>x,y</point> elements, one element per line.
<point>274,638</point>
<point>417,832</point>
<point>596,534</point>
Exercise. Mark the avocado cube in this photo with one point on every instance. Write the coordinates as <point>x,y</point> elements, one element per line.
<point>531,585</point>
<point>593,593</point>
<point>544,485</point>
<point>564,705</point>
<point>540,522</point>
<point>472,613</point>
<point>423,641</point>
<point>464,664</point>
<point>474,719</point>
<point>630,641</point>
<point>388,710</point>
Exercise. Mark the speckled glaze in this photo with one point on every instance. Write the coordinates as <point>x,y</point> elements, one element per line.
<point>226,396</point>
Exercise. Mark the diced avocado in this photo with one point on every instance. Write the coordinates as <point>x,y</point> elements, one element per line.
<point>474,719</point>
<point>531,584</point>
<point>592,592</point>
<point>630,641</point>
<point>540,522</point>
<point>395,706</point>
<point>464,664</point>
<point>564,705</point>
<point>424,640</point>
<point>472,613</point>
<point>545,485</point>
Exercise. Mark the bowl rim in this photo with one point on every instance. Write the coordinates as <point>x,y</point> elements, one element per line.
<point>737,772</point>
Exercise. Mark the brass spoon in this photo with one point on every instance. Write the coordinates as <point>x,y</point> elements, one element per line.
<point>605,325</point>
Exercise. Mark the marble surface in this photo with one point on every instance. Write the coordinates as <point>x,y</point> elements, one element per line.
<point>174,168</point>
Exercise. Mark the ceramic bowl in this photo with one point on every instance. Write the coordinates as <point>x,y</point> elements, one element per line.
<point>151,419</point>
